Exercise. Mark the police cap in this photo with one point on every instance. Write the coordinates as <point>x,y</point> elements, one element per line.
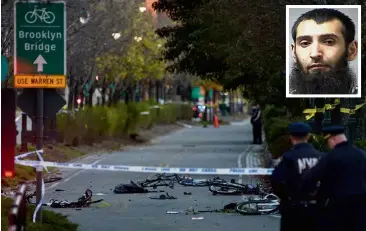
<point>333,131</point>
<point>299,129</point>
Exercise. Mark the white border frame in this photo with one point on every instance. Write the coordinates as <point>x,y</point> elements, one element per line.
<point>15,32</point>
<point>359,55</point>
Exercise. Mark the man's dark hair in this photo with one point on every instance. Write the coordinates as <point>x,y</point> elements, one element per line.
<point>325,15</point>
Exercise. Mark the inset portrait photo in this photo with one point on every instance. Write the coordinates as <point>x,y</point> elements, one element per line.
<point>323,51</point>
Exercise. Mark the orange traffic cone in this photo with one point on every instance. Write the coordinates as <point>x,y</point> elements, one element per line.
<point>216,121</point>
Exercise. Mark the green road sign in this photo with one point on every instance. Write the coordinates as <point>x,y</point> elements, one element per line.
<point>40,39</point>
<point>4,67</point>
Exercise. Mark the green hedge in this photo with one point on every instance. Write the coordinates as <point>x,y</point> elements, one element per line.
<point>96,123</point>
<point>361,144</point>
<point>275,122</point>
<point>275,125</point>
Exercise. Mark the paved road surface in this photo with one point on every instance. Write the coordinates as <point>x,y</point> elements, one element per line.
<point>226,147</point>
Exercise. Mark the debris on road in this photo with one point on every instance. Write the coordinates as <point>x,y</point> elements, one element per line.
<point>52,179</point>
<point>129,188</point>
<point>100,194</point>
<point>84,201</point>
<point>172,212</point>
<point>59,190</point>
<point>163,197</point>
<point>187,193</point>
<point>197,218</point>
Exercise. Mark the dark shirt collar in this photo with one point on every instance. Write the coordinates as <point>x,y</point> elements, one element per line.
<point>344,143</point>
<point>302,145</point>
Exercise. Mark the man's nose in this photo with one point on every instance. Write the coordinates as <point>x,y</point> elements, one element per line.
<point>315,52</point>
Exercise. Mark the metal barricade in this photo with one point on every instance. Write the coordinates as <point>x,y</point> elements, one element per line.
<point>17,215</point>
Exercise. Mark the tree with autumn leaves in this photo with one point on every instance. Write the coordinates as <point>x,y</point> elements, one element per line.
<point>235,42</point>
<point>241,43</point>
<point>141,61</point>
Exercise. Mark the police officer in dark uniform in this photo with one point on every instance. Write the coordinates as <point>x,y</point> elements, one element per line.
<point>342,177</point>
<point>257,125</point>
<point>299,210</point>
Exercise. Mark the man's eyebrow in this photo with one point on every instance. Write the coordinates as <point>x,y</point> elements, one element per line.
<point>308,37</point>
<point>330,35</point>
<point>304,37</point>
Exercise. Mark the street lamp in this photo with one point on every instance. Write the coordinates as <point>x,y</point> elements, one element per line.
<point>116,35</point>
<point>142,9</point>
<point>137,39</point>
<point>85,20</point>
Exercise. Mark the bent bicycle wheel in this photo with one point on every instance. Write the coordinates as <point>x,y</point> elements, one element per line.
<point>257,207</point>
<point>193,183</point>
<point>224,190</point>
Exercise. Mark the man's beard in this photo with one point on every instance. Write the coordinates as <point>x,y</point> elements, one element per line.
<point>339,80</point>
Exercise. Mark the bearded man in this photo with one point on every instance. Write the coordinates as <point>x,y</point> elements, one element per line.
<point>324,44</point>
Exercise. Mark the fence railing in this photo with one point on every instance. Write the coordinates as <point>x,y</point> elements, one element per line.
<point>17,215</point>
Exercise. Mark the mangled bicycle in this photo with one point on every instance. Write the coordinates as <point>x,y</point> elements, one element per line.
<point>232,188</point>
<point>259,206</point>
<point>84,201</point>
<point>162,180</point>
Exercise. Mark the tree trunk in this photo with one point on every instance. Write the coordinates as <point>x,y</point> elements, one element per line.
<point>206,102</point>
<point>117,96</point>
<point>336,116</point>
<point>133,93</point>
<point>129,95</point>
<point>90,98</point>
<point>319,116</point>
<point>70,99</point>
<point>104,90</point>
<point>76,95</point>
<point>144,90</point>
<point>110,98</point>
<point>81,99</point>
<point>157,91</point>
<point>151,89</point>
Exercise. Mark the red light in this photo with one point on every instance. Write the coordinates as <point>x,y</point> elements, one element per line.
<point>8,174</point>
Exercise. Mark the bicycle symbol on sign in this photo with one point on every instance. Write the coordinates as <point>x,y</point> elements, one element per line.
<point>45,16</point>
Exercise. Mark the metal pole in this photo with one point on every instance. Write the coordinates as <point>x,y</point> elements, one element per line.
<point>17,215</point>
<point>39,146</point>
<point>24,146</point>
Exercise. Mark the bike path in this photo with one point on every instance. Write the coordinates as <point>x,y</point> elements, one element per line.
<point>224,147</point>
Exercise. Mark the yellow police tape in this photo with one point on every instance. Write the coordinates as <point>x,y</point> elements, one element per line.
<point>327,107</point>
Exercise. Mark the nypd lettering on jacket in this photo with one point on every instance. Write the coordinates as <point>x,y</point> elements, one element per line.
<point>306,163</point>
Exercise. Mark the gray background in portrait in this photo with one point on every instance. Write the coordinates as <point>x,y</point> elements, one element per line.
<point>294,13</point>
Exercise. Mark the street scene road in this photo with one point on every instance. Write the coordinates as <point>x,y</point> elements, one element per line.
<point>226,147</point>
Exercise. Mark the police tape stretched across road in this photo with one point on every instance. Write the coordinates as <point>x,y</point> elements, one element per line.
<point>151,169</point>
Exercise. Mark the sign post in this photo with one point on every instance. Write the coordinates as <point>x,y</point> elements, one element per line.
<point>39,61</point>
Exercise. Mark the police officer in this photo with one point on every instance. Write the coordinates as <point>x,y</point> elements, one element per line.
<point>256,124</point>
<point>299,210</point>
<point>342,176</point>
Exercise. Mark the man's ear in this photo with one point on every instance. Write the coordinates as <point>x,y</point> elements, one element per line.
<point>293,52</point>
<point>352,50</point>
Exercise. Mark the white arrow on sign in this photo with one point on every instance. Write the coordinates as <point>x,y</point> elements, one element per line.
<point>40,61</point>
